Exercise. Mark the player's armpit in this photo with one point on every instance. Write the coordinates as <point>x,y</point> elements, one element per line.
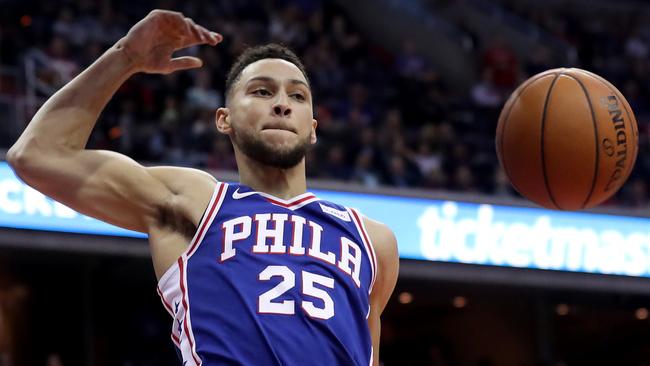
<point>103,184</point>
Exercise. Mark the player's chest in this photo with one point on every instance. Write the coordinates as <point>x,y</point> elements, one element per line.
<point>288,235</point>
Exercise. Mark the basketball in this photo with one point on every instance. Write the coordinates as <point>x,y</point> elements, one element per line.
<point>567,139</point>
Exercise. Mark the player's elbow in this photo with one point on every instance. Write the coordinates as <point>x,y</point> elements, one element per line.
<point>23,155</point>
<point>15,157</point>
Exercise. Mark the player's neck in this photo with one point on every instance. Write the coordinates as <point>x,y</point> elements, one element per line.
<point>281,183</point>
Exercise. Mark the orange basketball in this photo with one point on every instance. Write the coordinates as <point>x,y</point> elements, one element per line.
<point>567,139</point>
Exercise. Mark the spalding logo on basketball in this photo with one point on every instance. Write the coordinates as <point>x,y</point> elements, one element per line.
<point>567,139</point>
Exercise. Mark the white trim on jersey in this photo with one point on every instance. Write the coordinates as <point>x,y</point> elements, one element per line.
<point>357,218</point>
<point>187,321</point>
<point>165,303</point>
<point>168,307</point>
<point>171,296</point>
<point>172,286</point>
<point>187,337</point>
<point>209,215</point>
<point>292,204</point>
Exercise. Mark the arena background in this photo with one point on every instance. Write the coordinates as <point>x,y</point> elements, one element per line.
<point>407,94</point>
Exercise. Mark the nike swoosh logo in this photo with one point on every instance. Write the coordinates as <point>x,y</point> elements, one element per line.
<point>237,196</point>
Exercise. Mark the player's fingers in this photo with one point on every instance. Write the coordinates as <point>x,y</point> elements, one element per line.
<point>199,35</point>
<point>184,63</point>
<point>193,36</point>
<point>210,38</point>
<point>213,37</point>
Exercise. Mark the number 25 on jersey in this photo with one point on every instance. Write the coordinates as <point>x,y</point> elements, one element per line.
<point>266,305</point>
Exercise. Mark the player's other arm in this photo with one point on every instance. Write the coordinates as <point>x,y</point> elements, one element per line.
<point>50,154</point>
<point>385,246</point>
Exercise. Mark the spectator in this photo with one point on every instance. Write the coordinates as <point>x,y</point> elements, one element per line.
<point>464,180</point>
<point>500,58</point>
<point>64,68</point>
<point>409,63</point>
<point>70,29</point>
<point>336,167</point>
<point>486,94</point>
<point>202,95</point>
<point>364,173</point>
<point>427,160</point>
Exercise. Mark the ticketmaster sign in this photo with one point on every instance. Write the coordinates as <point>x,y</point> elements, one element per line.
<point>471,233</point>
<point>426,229</point>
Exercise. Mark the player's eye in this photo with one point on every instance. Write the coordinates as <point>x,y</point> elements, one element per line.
<point>262,92</point>
<point>299,97</point>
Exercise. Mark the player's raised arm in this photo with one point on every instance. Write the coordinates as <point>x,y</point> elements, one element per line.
<point>50,155</point>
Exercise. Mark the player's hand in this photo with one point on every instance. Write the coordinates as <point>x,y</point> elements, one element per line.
<point>152,41</point>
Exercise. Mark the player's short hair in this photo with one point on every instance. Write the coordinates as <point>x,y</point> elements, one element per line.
<point>256,53</point>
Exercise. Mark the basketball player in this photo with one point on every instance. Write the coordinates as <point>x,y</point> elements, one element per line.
<point>256,273</point>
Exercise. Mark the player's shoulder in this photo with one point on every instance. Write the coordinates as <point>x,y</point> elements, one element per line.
<point>385,246</point>
<point>382,238</point>
<point>380,233</point>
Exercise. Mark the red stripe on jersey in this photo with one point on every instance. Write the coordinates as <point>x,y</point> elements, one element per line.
<point>206,218</point>
<point>162,298</point>
<point>366,241</point>
<point>290,204</point>
<point>187,311</point>
<point>177,341</point>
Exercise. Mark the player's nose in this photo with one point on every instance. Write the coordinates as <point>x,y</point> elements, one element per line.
<point>281,107</point>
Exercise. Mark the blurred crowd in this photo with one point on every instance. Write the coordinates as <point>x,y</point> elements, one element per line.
<point>386,117</point>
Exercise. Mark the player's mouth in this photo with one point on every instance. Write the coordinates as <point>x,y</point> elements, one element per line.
<point>279,126</point>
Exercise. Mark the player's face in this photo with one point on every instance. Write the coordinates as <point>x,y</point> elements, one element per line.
<point>270,116</point>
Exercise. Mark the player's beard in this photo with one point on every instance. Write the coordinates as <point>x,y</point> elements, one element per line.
<point>267,154</point>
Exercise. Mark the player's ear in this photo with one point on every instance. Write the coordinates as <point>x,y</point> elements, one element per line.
<point>223,120</point>
<point>312,134</point>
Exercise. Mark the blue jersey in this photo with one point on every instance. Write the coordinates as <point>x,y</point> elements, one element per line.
<point>267,281</point>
